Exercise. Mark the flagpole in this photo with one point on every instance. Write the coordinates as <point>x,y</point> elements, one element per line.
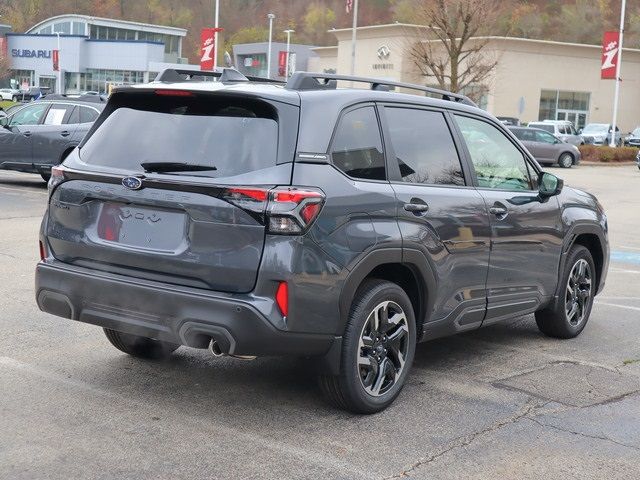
<point>616,95</point>
<point>353,37</point>
<point>215,36</point>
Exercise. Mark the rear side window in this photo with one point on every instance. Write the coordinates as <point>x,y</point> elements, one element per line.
<point>357,145</point>
<point>58,114</point>
<point>87,115</point>
<point>234,135</point>
<point>423,146</point>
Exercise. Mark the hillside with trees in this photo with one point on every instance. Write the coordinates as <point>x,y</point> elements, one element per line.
<point>581,21</point>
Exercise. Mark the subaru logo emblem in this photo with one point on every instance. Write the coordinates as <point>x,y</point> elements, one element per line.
<point>132,183</point>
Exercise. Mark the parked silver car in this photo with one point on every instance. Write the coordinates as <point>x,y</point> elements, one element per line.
<point>9,94</point>
<point>547,148</point>
<point>563,129</point>
<point>600,134</point>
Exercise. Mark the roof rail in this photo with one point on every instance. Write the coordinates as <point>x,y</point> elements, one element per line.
<point>227,75</point>
<point>326,81</point>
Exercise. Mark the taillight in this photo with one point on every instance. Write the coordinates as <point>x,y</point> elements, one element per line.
<point>57,177</point>
<point>285,210</point>
<point>282,298</point>
<point>292,210</point>
<point>43,253</point>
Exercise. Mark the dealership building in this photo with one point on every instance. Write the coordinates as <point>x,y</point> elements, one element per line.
<point>533,79</point>
<point>93,53</point>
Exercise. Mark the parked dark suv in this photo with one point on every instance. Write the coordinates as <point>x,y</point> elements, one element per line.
<point>305,220</point>
<point>42,133</point>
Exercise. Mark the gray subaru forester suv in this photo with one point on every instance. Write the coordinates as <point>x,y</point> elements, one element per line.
<point>344,224</point>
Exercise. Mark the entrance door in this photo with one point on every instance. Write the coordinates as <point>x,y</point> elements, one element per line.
<point>49,83</point>
<point>577,117</point>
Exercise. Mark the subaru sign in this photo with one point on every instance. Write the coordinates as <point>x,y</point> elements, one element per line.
<point>22,53</point>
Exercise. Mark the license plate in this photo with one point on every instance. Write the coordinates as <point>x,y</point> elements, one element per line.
<point>142,228</point>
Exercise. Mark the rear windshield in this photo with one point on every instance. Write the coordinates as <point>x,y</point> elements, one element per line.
<point>234,136</point>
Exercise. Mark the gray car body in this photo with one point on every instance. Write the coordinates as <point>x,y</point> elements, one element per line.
<point>545,152</point>
<point>562,129</point>
<point>455,282</point>
<point>36,148</point>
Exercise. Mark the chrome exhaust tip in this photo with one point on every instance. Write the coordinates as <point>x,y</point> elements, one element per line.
<point>215,350</point>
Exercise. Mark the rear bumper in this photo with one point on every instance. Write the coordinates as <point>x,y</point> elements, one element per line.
<point>175,314</point>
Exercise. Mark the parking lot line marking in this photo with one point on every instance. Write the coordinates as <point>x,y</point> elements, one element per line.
<point>23,190</point>
<point>625,257</point>
<point>623,270</point>
<point>628,307</point>
<point>315,458</point>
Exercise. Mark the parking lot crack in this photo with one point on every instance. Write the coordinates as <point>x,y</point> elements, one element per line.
<point>466,440</point>
<point>582,434</point>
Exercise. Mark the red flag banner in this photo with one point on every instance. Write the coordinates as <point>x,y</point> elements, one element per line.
<point>56,60</point>
<point>207,47</point>
<point>610,55</point>
<point>349,6</point>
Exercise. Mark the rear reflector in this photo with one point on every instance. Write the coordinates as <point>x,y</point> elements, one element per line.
<point>282,298</point>
<point>43,254</point>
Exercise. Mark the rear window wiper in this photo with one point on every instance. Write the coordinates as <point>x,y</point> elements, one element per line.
<point>162,167</point>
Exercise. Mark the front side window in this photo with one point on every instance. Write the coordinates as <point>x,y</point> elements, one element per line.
<point>87,115</point>
<point>423,146</point>
<point>357,145</point>
<point>30,115</point>
<point>497,161</point>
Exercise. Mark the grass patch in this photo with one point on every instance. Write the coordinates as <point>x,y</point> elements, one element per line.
<point>605,154</point>
<point>629,362</point>
<point>6,104</point>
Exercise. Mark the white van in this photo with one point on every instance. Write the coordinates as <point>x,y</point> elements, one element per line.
<point>562,129</point>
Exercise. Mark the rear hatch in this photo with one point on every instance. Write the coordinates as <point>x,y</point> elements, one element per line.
<point>199,222</point>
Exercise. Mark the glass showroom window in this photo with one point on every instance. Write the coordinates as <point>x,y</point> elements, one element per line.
<point>564,105</point>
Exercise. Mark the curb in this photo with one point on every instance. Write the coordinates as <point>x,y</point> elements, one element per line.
<point>607,164</point>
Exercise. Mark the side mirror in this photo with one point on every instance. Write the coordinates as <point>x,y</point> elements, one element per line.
<point>4,122</point>
<point>550,185</point>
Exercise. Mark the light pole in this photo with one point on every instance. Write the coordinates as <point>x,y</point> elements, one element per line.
<point>616,94</point>
<point>215,36</point>
<point>271,17</point>
<point>288,32</point>
<point>59,89</point>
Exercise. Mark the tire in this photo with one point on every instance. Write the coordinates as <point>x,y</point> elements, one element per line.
<point>141,347</point>
<point>565,160</point>
<point>575,291</point>
<point>45,176</point>
<point>347,390</point>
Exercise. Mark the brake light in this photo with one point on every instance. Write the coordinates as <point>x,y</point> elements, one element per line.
<point>282,298</point>
<point>175,93</point>
<point>43,253</point>
<point>285,210</point>
<point>292,210</point>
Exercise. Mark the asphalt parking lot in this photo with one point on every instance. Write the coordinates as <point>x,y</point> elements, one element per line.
<point>502,403</point>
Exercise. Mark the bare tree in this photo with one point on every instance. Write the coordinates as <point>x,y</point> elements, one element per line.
<point>451,51</point>
<point>5,66</point>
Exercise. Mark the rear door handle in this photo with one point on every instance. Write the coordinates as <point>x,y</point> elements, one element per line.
<point>416,208</point>
<point>26,134</point>
<point>499,211</point>
<point>65,133</point>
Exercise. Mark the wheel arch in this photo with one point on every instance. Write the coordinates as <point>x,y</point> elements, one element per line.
<point>593,240</point>
<point>408,269</point>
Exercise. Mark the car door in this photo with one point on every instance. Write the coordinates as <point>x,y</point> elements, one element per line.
<point>536,149</point>
<point>546,146</point>
<point>526,231</point>
<point>443,219</point>
<point>51,138</point>
<point>16,137</point>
